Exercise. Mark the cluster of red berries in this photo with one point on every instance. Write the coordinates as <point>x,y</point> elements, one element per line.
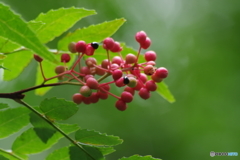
<point>125,72</point>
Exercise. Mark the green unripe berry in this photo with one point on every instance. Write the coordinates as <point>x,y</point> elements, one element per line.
<point>132,82</point>
<point>85,91</point>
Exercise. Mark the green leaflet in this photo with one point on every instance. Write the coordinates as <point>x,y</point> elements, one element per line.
<point>163,90</point>
<point>55,22</point>
<point>138,157</point>
<point>29,142</point>
<point>93,33</point>
<point>75,153</point>
<point>58,109</point>
<point>15,29</point>
<point>12,120</point>
<point>96,139</point>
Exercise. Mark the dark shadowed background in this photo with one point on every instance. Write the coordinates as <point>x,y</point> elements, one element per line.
<point>199,43</point>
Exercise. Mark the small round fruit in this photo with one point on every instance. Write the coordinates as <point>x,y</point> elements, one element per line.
<point>146,44</point>
<point>151,85</point>
<point>72,47</point>
<point>85,91</point>
<point>81,46</point>
<point>144,93</point>
<point>90,61</point>
<point>77,98</point>
<point>130,90</point>
<point>140,36</point>
<point>108,43</point>
<point>149,70</point>
<point>92,83</point>
<point>94,45</point>
<point>65,58</point>
<point>130,58</point>
<point>116,48</point>
<point>126,80</point>
<point>116,74</point>
<point>121,105</point>
<point>150,56</point>
<point>37,58</point>
<point>132,82</point>
<point>60,69</point>
<point>161,72</point>
<point>126,97</point>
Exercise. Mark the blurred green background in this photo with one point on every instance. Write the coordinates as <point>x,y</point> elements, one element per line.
<point>199,43</point>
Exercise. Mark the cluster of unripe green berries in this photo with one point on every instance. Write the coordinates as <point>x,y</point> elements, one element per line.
<point>125,71</point>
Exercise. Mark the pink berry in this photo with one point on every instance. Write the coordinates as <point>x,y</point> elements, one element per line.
<point>89,50</point>
<point>121,105</point>
<point>149,70</point>
<point>102,95</point>
<point>151,85</point>
<point>105,64</point>
<point>77,98</point>
<point>140,36</point>
<point>87,100</point>
<point>108,43</point>
<point>116,47</point>
<point>104,88</point>
<point>117,60</point>
<point>143,77</point>
<point>114,66</point>
<point>85,70</point>
<point>92,83</point>
<point>146,44</point>
<point>119,82</point>
<point>156,79</point>
<point>81,46</point>
<point>150,56</point>
<point>130,90</point>
<point>126,97</point>
<point>116,74</point>
<point>85,91</point>
<point>161,72</point>
<point>139,85</point>
<point>144,93</point>
<point>87,76</point>
<point>65,57</point>
<point>94,98</point>
<point>151,63</point>
<point>72,47</point>
<point>90,62</point>
<point>130,58</point>
<point>37,58</point>
<point>99,71</point>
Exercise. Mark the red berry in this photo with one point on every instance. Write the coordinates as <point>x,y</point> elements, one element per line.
<point>161,72</point>
<point>108,43</point>
<point>87,76</point>
<point>130,90</point>
<point>150,56</point>
<point>81,46</point>
<point>146,44</point>
<point>60,69</point>
<point>104,88</point>
<point>151,85</point>
<point>119,82</point>
<point>102,95</point>
<point>65,57</point>
<point>92,83</point>
<point>117,60</point>
<point>116,74</point>
<point>156,79</point>
<point>138,86</point>
<point>144,93</point>
<point>149,70</point>
<point>121,105</point>
<point>116,47</point>
<point>126,97</point>
<point>143,77</point>
<point>87,100</point>
<point>89,50</point>
<point>37,58</point>
<point>77,98</point>
<point>151,63</point>
<point>140,36</point>
<point>72,47</point>
<point>90,62</point>
<point>85,91</point>
<point>105,64</point>
<point>99,71</point>
<point>114,66</point>
<point>85,70</point>
<point>130,58</point>
<point>94,98</point>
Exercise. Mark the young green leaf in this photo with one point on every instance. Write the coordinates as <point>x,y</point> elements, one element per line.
<point>7,155</point>
<point>96,139</point>
<point>93,33</point>
<point>12,120</point>
<point>74,153</point>
<point>58,21</point>
<point>3,106</point>
<point>19,64</point>
<point>15,29</point>
<point>58,109</point>
<point>35,25</point>
<point>7,46</point>
<point>106,150</point>
<point>163,90</point>
<point>29,142</point>
<point>137,157</point>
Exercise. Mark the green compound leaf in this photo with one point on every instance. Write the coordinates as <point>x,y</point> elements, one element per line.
<point>12,27</point>
<point>29,142</point>
<point>93,33</point>
<point>96,139</point>
<point>49,71</point>
<point>163,90</point>
<point>55,22</point>
<point>74,153</point>
<point>137,157</point>
<point>58,109</point>
<point>19,64</point>
<point>12,120</point>
<point>3,106</point>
